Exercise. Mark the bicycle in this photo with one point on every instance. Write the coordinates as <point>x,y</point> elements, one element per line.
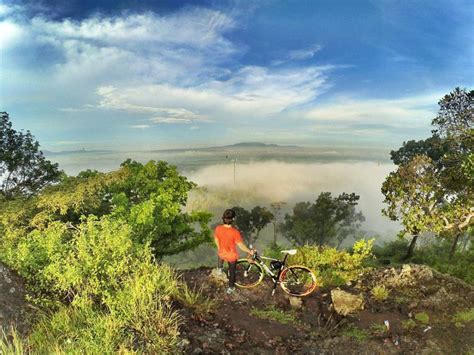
<point>295,280</point>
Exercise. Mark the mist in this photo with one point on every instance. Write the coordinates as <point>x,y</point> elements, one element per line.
<point>265,182</point>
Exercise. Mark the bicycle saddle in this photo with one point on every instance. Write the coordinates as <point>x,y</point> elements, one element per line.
<point>290,252</point>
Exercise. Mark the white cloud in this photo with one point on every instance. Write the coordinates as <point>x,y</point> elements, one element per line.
<point>10,33</point>
<point>305,53</point>
<point>140,126</point>
<point>252,91</point>
<point>416,111</point>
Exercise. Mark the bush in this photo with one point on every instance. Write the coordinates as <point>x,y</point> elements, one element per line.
<point>334,267</point>
<point>97,276</point>
<point>434,254</point>
<point>380,293</point>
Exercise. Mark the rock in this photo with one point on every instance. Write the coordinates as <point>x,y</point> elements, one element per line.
<point>439,300</point>
<point>217,276</point>
<point>345,302</point>
<point>296,302</point>
<point>410,275</point>
<point>184,343</point>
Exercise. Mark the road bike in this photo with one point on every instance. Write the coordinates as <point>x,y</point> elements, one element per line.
<point>295,280</point>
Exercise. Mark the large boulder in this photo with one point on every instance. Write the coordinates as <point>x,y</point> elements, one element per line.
<point>345,303</point>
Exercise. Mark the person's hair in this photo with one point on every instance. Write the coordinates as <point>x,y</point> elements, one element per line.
<point>228,216</point>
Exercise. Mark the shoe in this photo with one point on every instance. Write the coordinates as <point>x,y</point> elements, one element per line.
<point>230,290</point>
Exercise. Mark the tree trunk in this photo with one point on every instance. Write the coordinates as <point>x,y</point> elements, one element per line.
<point>409,253</point>
<point>453,246</point>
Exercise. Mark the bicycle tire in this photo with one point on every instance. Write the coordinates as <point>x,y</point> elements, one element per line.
<point>298,281</point>
<point>248,274</point>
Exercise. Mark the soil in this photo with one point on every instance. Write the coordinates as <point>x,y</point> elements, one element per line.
<point>232,328</point>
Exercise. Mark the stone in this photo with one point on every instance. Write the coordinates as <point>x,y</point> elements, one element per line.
<point>217,276</point>
<point>296,302</point>
<point>346,303</point>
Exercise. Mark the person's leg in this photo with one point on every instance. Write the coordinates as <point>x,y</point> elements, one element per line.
<point>220,263</point>
<point>232,268</point>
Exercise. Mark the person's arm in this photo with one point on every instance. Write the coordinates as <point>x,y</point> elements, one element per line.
<point>216,240</point>
<point>244,248</point>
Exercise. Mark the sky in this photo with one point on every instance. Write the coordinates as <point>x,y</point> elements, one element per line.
<point>136,75</point>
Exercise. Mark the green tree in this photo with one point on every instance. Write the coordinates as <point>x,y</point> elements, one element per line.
<point>328,221</point>
<point>449,149</point>
<point>412,194</point>
<point>23,168</point>
<point>149,198</point>
<point>250,223</point>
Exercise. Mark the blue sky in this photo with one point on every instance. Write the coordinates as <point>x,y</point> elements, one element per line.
<point>149,75</point>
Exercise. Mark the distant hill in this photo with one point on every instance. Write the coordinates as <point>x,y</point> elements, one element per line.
<point>69,152</point>
<point>242,145</point>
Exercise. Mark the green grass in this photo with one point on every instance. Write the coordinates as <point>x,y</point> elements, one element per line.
<point>378,329</point>
<point>463,317</point>
<point>423,318</point>
<point>408,324</point>
<point>11,343</point>
<point>356,333</point>
<point>275,314</point>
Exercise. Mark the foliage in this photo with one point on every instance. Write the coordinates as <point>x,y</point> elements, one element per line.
<point>423,318</point>
<point>411,194</point>
<point>273,251</point>
<point>463,317</point>
<point>408,324</point>
<point>329,220</point>
<point>88,248</point>
<point>11,343</point>
<point>23,167</point>
<point>334,267</point>
<point>273,313</point>
<point>433,187</point>
<point>434,254</point>
<point>379,293</point>
<point>356,333</point>
<point>250,223</point>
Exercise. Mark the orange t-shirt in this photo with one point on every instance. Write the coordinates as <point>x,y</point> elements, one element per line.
<point>227,239</point>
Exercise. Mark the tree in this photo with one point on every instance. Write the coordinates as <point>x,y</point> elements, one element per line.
<point>23,169</point>
<point>412,193</point>
<point>148,198</point>
<point>328,221</point>
<point>449,150</point>
<point>250,223</point>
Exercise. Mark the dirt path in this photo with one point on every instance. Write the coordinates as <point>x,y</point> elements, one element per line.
<point>238,326</point>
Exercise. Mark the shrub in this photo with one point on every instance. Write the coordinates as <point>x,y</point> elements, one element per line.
<point>408,324</point>
<point>334,267</point>
<point>463,317</point>
<point>422,317</point>
<point>97,276</point>
<point>380,293</point>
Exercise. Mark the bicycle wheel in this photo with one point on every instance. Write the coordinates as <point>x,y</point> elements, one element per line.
<point>248,274</point>
<point>298,280</point>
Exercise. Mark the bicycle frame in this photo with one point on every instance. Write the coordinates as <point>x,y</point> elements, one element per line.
<point>275,277</point>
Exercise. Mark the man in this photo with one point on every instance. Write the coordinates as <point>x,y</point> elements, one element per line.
<point>226,238</point>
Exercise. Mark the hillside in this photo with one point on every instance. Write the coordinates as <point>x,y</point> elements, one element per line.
<point>427,312</point>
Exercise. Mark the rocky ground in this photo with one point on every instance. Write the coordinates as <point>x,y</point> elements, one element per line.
<point>13,307</point>
<point>417,317</point>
